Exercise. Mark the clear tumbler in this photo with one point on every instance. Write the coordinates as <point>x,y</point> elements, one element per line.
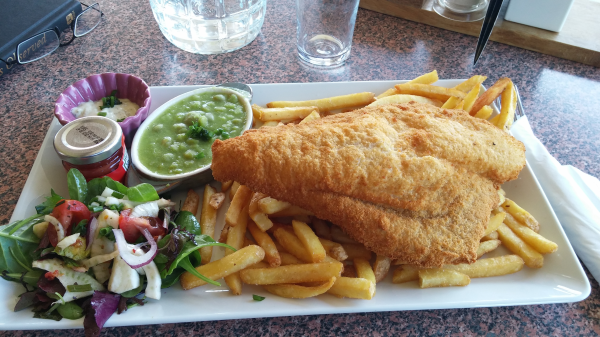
<point>324,30</point>
<point>209,26</point>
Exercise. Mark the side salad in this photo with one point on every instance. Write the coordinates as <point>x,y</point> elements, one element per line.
<point>105,249</point>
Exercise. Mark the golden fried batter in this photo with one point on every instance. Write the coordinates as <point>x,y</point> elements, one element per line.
<point>410,181</point>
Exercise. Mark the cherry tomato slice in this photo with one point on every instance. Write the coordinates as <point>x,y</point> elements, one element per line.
<point>131,226</point>
<point>71,212</point>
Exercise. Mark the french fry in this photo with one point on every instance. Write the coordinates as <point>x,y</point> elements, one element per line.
<point>353,288</point>
<point>270,124</point>
<point>451,103</point>
<point>469,84</point>
<point>287,259</point>
<point>515,244</point>
<point>381,267</point>
<point>295,273</point>
<point>429,91</point>
<point>330,103</point>
<point>208,220</point>
<point>470,98</point>
<point>269,205</point>
<point>349,271</point>
<point>233,190</point>
<point>428,78</point>
<point>310,241</point>
<point>508,106</point>
<point>493,266</point>
<point>485,112</point>
<point>338,235</point>
<point>259,264</point>
<point>460,104</point>
<point>313,115</point>
<point>226,185</point>
<point>216,200</point>
<point>491,236</point>
<point>405,273</point>
<point>261,219</point>
<point>494,222</point>
<point>302,218</point>
<point>364,270</point>
<point>490,95</point>
<point>356,251</point>
<point>429,278</point>
<point>521,215</point>
<point>536,241</point>
<point>264,240</point>
<point>290,113</point>
<point>228,265</point>
<point>292,244</point>
<point>191,202</point>
<point>291,211</point>
<point>256,109</point>
<point>240,200</point>
<point>487,246</point>
<point>235,238</point>
<point>502,197</point>
<point>403,98</point>
<point>224,231</point>
<point>321,228</point>
<point>298,291</point>
<point>334,249</point>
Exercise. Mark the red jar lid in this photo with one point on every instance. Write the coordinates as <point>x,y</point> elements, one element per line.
<point>88,140</point>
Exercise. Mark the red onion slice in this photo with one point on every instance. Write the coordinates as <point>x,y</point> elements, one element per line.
<point>132,260</point>
<point>91,231</point>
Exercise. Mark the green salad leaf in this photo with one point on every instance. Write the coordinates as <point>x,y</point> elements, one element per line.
<point>186,220</point>
<point>47,206</point>
<point>142,193</point>
<point>17,240</point>
<point>97,185</point>
<point>77,184</point>
<point>187,258</point>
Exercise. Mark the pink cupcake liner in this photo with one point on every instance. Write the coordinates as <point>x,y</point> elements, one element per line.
<point>95,87</point>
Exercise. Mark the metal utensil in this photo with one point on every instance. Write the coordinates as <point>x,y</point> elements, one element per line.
<point>242,88</point>
<point>488,25</point>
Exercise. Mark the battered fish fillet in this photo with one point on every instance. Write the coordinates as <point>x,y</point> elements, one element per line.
<point>411,181</point>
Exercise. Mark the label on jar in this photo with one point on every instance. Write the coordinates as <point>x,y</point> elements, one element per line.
<point>87,135</point>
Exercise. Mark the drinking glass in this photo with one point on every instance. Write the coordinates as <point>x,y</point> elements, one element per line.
<point>209,26</point>
<point>461,10</point>
<point>324,31</point>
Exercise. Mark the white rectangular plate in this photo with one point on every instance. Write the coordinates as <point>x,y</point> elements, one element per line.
<point>562,278</point>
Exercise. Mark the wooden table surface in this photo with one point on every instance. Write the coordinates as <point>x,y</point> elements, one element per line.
<point>561,99</point>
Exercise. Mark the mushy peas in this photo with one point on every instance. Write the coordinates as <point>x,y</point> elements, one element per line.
<point>180,139</point>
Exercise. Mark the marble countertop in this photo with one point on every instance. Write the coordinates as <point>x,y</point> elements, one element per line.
<point>561,99</point>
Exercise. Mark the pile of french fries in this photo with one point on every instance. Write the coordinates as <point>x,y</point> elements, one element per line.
<point>293,254</point>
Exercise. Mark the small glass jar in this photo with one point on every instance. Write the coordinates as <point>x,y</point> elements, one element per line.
<point>95,146</point>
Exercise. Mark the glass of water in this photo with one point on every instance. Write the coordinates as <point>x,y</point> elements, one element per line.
<point>209,26</point>
<point>324,31</point>
<point>461,10</point>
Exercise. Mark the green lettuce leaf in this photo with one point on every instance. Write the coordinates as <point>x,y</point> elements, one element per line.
<point>17,243</point>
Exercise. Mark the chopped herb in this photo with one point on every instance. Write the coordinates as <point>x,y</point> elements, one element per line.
<point>110,101</point>
<point>78,288</point>
<point>107,233</point>
<point>120,120</point>
<point>117,208</point>
<point>102,113</point>
<point>257,298</point>
<point>81,227</point>
<point>198,132</point>
<point>117,195</point>
<point>200,155</point>
<point>95,209</point>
